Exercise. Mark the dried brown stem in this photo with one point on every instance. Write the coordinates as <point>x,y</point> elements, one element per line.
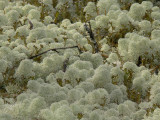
<point>155,69</point>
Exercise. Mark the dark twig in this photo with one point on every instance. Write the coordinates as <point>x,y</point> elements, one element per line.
<point>31,24</point>
<point>54,49</point>
<point>65,63</point>
<point>89,30</point>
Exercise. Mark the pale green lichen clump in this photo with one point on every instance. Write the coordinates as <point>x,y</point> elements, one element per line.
<point>79,60</point>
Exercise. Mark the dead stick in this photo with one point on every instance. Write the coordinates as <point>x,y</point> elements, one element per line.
<point>89,30</point>
<point>65,64</point>
<point>54,49</point>
<point>31,24</point>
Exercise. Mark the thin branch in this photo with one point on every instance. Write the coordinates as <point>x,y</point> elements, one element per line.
<point>54,49</point>
<point>65,63</point>
<point>90,32</point>
<point>31,24</point>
